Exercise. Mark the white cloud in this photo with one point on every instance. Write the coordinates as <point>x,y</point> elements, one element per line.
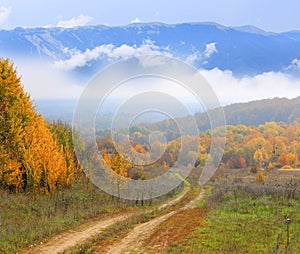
<point>81,20</point>
<point>4,13</point>
<point>136,20</point>
<point>59,86</point>
<point>47,26</point>
<point>196,56</point>
<point>230,89</point>
<point>295,65</point>
<point>210,49</point>
<point>154,60</point>
<point>111,52</point>
<point>79,59</point>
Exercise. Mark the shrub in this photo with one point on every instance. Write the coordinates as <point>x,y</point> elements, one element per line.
<point>259,178</point>
<point>286,167</point>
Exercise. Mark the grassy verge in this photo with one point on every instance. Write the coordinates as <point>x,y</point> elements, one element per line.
<point>28,218</point>
<point>241,222</point>
<point>201,203</point>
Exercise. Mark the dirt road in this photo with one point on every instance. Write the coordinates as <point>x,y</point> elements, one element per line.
<point>135,239</point>
<point>71,238</point>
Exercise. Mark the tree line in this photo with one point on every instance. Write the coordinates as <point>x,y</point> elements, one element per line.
<point>270,145</point>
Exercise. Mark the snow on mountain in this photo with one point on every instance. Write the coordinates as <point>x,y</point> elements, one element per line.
<point>242,50</point>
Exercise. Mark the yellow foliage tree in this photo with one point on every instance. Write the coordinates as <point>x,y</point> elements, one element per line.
<point>117,163</point>
<point>29,156</point>
<point>260,157</point>
<point>259,177</point>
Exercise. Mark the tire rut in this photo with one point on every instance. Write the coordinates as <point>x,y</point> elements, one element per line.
<point>135,239</point>
<point>71,238</point>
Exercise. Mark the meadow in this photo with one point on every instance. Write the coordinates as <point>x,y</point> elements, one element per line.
<point>246,216</point>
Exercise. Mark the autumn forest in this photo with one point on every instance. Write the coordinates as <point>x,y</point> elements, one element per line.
<point>36,154</point>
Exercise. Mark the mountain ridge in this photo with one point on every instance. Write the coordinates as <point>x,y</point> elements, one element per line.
<point>247,28</point>
<point>259,111</point>
<point>245,50</point>
<point>252,113</point>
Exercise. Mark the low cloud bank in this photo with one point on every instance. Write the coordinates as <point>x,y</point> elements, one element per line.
<point>43,80</point>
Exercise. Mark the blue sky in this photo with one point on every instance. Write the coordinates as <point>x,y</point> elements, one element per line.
<point>269,15</point>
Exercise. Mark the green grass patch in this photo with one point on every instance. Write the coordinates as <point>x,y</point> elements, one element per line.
<point>242,223</point>
<point>202,202</point>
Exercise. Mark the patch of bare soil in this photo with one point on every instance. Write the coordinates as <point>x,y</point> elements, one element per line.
<point>174,229</point>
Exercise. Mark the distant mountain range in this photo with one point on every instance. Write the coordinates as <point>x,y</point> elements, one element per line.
<point>243,50</point>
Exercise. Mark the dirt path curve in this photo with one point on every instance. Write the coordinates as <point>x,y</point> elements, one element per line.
<point>142,232</point>
<point>71,238</point>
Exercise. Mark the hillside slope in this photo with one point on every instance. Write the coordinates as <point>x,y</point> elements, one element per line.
<point>251,113</point>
